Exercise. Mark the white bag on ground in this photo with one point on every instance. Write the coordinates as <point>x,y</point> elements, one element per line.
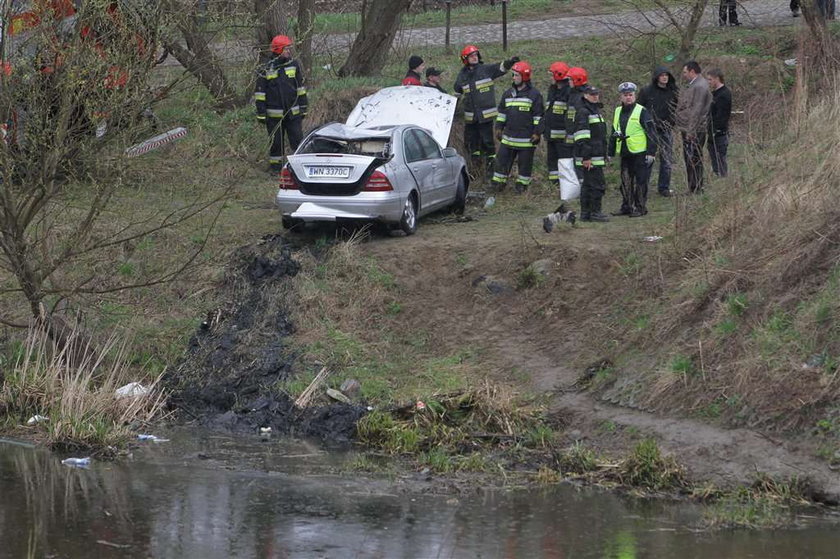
<point>131,390</point>
<point>569,183</point>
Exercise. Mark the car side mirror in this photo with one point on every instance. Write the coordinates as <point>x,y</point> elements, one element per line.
<point>449,152</point>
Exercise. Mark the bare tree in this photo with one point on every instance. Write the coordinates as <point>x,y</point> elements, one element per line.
<point>370,49</point>
<point>271,20</point>
<point>75,95</point>
<point>306,27</point>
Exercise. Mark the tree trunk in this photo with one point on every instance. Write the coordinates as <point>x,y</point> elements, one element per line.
<point>688,33</point>
<point>370,49</point>
<point>274,20</point>
<point>200,61</point>
<point>306,23</point>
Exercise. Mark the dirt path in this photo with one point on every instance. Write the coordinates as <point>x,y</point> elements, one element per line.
<point>532,339</point>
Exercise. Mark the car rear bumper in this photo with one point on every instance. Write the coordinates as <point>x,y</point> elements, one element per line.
<point>381,206</point>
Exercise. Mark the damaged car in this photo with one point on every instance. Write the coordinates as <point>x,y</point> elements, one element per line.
<point>385,164</point>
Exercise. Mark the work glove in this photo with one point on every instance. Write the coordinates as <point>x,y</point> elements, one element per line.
<point>508,64</point>
<point>649,159</point>
<point>535,139</point>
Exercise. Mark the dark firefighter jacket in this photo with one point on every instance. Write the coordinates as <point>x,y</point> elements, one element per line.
<point>555,111</point>
<point>280,92</point>
<point>660,101</point>
<point>476,84</point>
<point>574,101</point>
<point>520,116</point>
<point>590,134</point>
<point>647,132</point>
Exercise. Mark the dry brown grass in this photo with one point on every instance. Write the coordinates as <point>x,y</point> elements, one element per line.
<point>77,394</point>
<point>754,297</point>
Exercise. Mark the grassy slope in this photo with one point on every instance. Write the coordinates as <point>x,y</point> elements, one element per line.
<point>231,148</point>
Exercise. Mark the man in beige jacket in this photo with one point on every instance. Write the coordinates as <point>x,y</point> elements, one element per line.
<point>692,120</point>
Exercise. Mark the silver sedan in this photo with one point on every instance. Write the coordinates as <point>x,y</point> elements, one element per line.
<point>376,171</point>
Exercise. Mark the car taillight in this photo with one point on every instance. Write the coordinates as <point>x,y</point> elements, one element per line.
<point>287,181</point>
<point>378,182</point>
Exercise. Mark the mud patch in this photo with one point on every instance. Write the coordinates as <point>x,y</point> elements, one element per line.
<point>231,375</point>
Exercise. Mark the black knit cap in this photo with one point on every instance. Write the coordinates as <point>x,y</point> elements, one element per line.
<point>414,61</point>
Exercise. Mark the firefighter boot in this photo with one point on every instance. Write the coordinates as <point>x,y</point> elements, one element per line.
<point>597,214</point>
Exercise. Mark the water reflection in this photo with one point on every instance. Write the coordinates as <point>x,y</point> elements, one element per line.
<point>173,502</point>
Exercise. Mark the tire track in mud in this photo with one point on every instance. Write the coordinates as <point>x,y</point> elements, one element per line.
<point>463,316</point>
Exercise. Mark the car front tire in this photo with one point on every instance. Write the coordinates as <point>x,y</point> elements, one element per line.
<point>460,202</point>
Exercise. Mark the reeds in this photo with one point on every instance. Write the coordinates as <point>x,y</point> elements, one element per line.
<point>76,390</point>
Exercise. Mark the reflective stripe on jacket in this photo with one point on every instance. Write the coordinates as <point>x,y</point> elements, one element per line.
<point>590,135</point>
<point>476,85</point>
<point>520,116</point>
<point>280,91</point>
<point>556,103</point>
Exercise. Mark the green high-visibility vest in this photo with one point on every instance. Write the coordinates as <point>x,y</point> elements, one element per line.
<point>635,133</point>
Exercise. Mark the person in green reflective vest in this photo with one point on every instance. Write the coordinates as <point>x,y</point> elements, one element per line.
<point>634,139</point>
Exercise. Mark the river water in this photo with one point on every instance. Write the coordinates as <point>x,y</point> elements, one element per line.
<point>209,496</point>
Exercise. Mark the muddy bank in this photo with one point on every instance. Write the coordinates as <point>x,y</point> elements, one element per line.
<point>231,375</point>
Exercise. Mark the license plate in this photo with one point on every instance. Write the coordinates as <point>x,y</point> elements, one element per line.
<point>327,171</point>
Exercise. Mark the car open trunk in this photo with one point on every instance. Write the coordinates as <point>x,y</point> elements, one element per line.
<point>337,160</point>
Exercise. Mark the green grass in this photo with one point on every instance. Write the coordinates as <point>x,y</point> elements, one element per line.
<point>647,467</point>
<point>682,365</point>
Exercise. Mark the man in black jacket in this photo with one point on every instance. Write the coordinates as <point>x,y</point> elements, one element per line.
<point>660,98</point>
<point>433,79</point>
<point>719,115</point>
<point>591,153</point>
<point>519,126</point>
<point>475,83</point>
<point>634,139</point>
<point>281,100</point>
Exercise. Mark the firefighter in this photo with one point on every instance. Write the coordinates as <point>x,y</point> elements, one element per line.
<point>570,174</point>
<point>475,83</point>
<point>519,126</point>
<point>555,122</point>
<point>281,101</point>
<point>590,139</point>
<point>634,140</point>
<point>415,66</point>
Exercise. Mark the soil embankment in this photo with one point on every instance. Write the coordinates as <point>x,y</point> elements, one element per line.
<point>230,376</point>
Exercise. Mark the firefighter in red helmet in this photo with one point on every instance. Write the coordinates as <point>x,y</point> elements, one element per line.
<point>475,84</point>
<point>519,127</point>
<point>281,101</point>
<point>556,102</point>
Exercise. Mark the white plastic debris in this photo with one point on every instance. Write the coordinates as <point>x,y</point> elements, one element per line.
<point>652,239</point>
<point>131,390</point>
<point>490,202</point>
<point>152,438</point>
<point>35,419</point>
<point>265,430</point>
<point>77,462</point>
<point>790,62</point>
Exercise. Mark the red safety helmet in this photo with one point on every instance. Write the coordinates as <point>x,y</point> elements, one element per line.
<point>523,69</point>
<point>577,75</point>
<point>467,51</point>
<point>279,44</point>
<point>559,70</point>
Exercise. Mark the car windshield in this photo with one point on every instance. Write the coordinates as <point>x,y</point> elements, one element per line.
<point>374,147</point>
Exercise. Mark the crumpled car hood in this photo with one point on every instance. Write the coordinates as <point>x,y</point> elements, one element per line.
<point>407,104</point>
